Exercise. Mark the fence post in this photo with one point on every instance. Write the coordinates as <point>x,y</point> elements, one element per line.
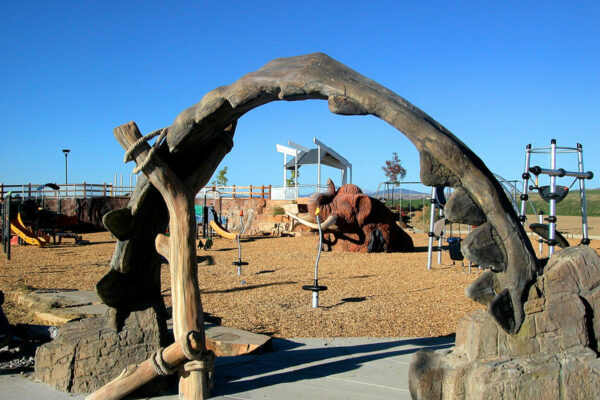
<point>250,196</point>
<point>269,192</point>
<point>84,190</point>
<point>104,190</point>
<point>2,191</point>
<point>29,194</point>
<point>262,191</point>
<point>233,191</point>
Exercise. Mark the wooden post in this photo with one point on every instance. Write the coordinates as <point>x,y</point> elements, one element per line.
<point>104,190</point>
<point>84,190</point>
<point>269,192</point>
<point>29,192</point>
<point>187,307</point>
<point>2,191</point>
<point>250,189</point>
<point>233,191</point>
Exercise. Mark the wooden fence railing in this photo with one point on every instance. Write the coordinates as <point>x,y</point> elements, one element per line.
<point>76,190</point>
<point>87,190</point>
<point>236,192</point>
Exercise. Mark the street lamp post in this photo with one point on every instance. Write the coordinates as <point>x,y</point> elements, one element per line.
<point>66,151</point>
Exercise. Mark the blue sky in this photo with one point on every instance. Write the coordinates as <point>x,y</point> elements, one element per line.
<point>499,75</point>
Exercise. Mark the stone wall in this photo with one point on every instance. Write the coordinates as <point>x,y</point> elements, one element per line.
<point>258,214</point>
<point>88,353</point>
<point>89,211</point>
<point>553,356</point>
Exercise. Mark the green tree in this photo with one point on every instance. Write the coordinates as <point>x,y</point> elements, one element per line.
<point>221,178</point>
<point>393,169</point>
<point>291,180</point>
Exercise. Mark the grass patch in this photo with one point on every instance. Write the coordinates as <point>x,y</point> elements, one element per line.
<point>277,211</point>
<point>571,205</point>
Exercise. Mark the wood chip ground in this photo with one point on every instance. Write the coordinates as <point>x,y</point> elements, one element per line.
<point>369,295</point>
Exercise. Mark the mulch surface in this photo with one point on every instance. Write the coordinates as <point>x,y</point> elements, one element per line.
<point>368,295</point>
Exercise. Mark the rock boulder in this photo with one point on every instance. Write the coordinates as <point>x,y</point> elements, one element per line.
<point>553,356</point>
<point>89,353</point>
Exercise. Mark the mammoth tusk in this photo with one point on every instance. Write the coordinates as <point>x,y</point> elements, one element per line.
<point>329,223</point>
<point>302,221</point>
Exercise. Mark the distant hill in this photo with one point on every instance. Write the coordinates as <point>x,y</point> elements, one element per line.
<point>571,205</point>
<point>397,193</point>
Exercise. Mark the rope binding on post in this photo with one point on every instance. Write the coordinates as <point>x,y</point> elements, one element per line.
<point>198,361</point>
<point>160,365</point>
<point>186,347</point>
<point>161,133</point>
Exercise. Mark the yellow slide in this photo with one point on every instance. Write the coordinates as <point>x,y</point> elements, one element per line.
<point>221,231</point>
<point>18,227</point>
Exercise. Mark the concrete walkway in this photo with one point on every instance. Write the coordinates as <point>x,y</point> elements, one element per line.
<point>339,368</point>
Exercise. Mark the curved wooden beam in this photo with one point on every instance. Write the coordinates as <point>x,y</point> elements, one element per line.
<point>445,160</point>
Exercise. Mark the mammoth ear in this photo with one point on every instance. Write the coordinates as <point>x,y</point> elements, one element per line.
<point>330,187</point>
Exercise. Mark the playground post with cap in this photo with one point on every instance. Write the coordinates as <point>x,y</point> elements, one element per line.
<point>239,263</point>
<point>315,288</point>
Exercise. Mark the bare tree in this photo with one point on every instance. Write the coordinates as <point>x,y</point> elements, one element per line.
<point>393,168</point>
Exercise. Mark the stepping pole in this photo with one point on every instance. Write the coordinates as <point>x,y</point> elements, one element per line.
<point>315,288</point>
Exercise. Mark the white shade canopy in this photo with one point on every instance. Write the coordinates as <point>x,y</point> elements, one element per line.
<point>322,155</point>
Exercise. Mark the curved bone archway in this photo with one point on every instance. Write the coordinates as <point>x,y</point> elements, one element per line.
<point>201,135</point>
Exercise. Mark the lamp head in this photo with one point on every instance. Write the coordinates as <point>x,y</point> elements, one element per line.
<point>66,151</point>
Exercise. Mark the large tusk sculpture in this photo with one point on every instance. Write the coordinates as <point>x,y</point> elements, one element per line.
<point>328,224</point>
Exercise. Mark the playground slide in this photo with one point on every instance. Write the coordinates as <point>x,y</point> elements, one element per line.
<point>221,231</point>
<point>25,234</point>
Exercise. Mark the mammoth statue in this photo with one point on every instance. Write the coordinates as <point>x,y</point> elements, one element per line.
<point>355,222</point>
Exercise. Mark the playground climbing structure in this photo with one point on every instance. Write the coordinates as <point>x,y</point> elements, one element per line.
<point>554,193</point>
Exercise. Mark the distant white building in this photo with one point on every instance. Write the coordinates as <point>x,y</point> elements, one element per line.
<point>322,155</point>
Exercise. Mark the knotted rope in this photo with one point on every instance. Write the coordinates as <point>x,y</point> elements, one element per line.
<point>161,133</point>
<point>188,352</point>
<point>199,361</point>
<point>159,364</point>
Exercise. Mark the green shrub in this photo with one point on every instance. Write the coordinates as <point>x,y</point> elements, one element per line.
<point>278,211</point>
